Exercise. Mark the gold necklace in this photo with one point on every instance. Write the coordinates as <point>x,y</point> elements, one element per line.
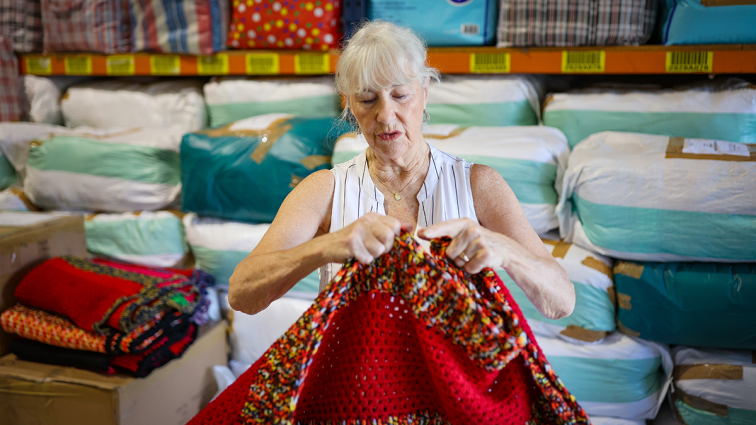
<point>397,195</point>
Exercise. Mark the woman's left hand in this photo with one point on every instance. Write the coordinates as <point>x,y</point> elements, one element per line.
<point>473,247</point>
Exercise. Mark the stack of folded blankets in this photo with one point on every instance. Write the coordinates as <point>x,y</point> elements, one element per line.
<point>106,316</point>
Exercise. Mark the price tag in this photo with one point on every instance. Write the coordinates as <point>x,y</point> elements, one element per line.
<point>39,66</point>
<point>588,61</point>
<point>212,65</point>
<point>262,63</point>
<point>312,63</point>
<point>165,65</point>
<point>490,63</point>
<point>78,65</point>
<point>681,62</point>
<point>120,65</point>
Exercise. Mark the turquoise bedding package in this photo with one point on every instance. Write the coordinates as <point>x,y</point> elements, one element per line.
<point>707,22</point>
<point>695,304</point>
<point>442,22</point>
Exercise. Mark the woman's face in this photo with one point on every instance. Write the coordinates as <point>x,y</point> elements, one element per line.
<point>391,119</point>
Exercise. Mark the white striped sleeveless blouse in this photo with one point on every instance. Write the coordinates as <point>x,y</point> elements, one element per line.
<point>445,195</point>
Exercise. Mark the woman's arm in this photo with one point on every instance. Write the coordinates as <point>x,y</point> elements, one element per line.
<point>298,242</point>
<point>505,239</point>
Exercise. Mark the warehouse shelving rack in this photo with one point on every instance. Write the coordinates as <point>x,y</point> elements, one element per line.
<point>649,59</point>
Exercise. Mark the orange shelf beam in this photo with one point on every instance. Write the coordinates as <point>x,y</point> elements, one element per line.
<point>716,59</point>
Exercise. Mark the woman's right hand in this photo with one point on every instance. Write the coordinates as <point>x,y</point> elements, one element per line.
<point>371,236</point>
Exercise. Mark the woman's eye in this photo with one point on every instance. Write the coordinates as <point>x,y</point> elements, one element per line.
<point>400,96</point>
<point>367,101</point>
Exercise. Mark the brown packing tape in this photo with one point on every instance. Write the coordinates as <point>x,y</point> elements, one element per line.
<point>560,249</point>
<point>714,3</point>
<point>612,293</point>
<point>624,301</point>
<point>675,151</point>
<point>22,196</point>
<point>456,132</point>
<point>700,403</point>
<point>313,161</point>
<point>295,180</point>
<point>625,330</point>
<point>599,266</point>
<point>629,269</point>
<point>583,334</point>
<point>708,371</point>
<point>271,135</point>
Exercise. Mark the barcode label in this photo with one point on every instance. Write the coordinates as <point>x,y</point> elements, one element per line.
<point>165,65</point>
<point>490,62</point>
<point>690,61</point>
<point>38,66</point>
<point>470,29</point>
<point>583,61</point>
<point>312,64</point>
<point>262,64</point>
<point>120,65</point>
<point>78,65</point>
<point>212,65</point>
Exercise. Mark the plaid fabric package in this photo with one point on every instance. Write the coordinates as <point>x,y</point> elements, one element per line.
<point>86,26</point>
<point>285,24</point>
<point>560,23</point>
<point>10,83</point>
<point>20,22</point>
<point>179,26</point>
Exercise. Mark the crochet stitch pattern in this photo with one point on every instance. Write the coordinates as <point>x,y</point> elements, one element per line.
<point>474,312</point>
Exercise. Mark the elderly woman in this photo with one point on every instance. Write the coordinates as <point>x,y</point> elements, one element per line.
<point>400,181</point>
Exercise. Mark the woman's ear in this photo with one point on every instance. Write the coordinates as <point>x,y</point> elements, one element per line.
<point>426,87</point>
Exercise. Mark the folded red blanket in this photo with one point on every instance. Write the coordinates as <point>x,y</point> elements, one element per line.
<point>168,347</point>
<point>49,328</point>
<point>98,294</point>
<point>408,339</point>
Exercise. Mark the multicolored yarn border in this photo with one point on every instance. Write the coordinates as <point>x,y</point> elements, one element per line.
<point>440,295</point>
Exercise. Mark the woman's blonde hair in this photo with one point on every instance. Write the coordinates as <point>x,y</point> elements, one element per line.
<point>380,55</point>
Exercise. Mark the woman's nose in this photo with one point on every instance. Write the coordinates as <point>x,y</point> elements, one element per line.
<point>386,112</point>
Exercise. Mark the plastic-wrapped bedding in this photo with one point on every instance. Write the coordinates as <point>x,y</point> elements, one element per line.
<point>245,170</point>
<point>14,147</point>
<point>219,246</point>
<point>494,101</point>
<point>231,99</point>
<point>125,104</point>
<point>105,170</point>
<point>707,22</point>
<point>622,377</point>
<point>699,304</point>
<point>547,23</point>
<point>702,112</point>
<point>15,199</point>
<point>86,26</point>
<point>531,159</point>
<point>651,198</point>
<point>604,420</point>
<point>252,335</point>
<point>41,97</point>
<point>196,27</point>
<point>147,238</point>
<point>714,387</point>
<point>593,317</point>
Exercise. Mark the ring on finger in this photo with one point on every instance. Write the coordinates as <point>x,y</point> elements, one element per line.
<point>464,257</point>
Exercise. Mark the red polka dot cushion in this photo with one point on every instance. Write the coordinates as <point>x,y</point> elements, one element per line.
<point>408,339</point>
<point>285,24</point>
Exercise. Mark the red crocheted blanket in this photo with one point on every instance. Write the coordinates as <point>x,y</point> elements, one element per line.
<point>408,339</point>
<point>97,294</point>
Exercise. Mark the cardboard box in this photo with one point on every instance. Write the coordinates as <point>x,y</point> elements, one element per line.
<point>33,393</point>
<point>26,240</point>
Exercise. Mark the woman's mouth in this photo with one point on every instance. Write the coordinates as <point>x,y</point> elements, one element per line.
<point>389,135</point>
